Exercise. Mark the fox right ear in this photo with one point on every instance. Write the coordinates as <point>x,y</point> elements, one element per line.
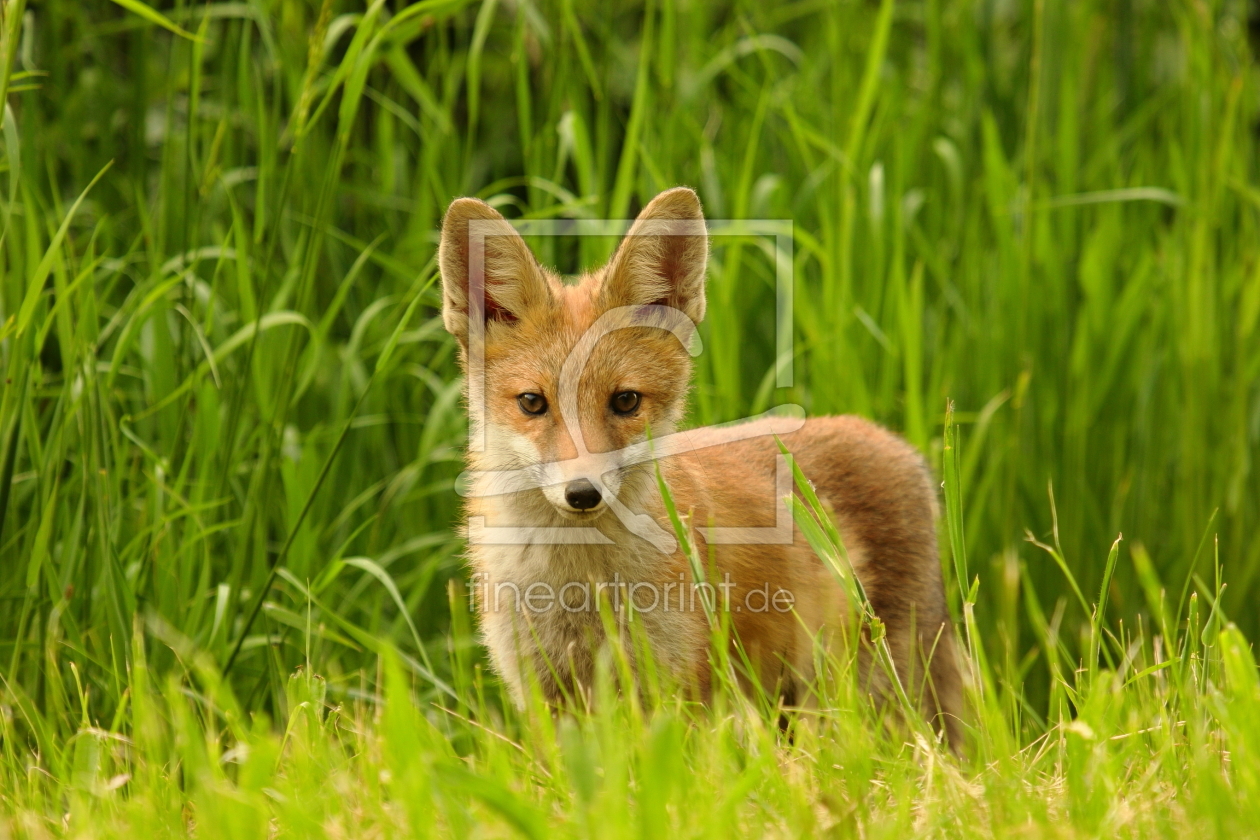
<point>481,251</point>
<point>662,259</point>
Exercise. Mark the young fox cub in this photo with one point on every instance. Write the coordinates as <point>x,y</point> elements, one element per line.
<point>575,394</point>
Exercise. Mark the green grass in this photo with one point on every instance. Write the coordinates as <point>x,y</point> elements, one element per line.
<point>230,418</point>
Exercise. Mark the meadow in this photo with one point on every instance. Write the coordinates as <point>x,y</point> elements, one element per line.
<point>232,602</point>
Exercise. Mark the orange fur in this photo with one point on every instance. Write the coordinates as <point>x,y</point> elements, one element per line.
<point>878,486</point>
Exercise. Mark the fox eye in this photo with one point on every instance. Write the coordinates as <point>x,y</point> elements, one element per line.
<point>626,402</point>
<point>532,403</point>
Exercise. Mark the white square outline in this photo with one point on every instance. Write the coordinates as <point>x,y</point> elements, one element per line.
<point>783,232</point>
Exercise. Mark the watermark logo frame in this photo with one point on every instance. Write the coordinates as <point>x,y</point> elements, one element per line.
<point>777,239</point>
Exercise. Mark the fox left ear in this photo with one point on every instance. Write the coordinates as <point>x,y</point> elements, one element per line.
<point>662,259</point>
<point>504,268</point>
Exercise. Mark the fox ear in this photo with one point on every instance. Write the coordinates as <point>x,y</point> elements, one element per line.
<point>481,250</point>
<point>662,259</point>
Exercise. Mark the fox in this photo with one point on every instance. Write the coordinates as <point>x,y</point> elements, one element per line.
<point>576,395</point>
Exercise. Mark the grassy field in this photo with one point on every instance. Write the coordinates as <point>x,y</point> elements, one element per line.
<point>230,590</point>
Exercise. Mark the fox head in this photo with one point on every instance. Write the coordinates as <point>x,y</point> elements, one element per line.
<point>566,381</point>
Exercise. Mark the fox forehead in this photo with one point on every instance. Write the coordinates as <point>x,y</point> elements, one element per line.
<point>532,352</point>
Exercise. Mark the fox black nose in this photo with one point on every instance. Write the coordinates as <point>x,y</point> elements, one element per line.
<point>581,494</point>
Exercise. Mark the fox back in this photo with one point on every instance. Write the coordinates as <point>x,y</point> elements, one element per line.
<point>576,393</point>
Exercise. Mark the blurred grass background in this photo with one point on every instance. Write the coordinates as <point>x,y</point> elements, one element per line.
<point>231,418</point>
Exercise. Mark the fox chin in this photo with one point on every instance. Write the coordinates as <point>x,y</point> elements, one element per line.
<point>575,395</point>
